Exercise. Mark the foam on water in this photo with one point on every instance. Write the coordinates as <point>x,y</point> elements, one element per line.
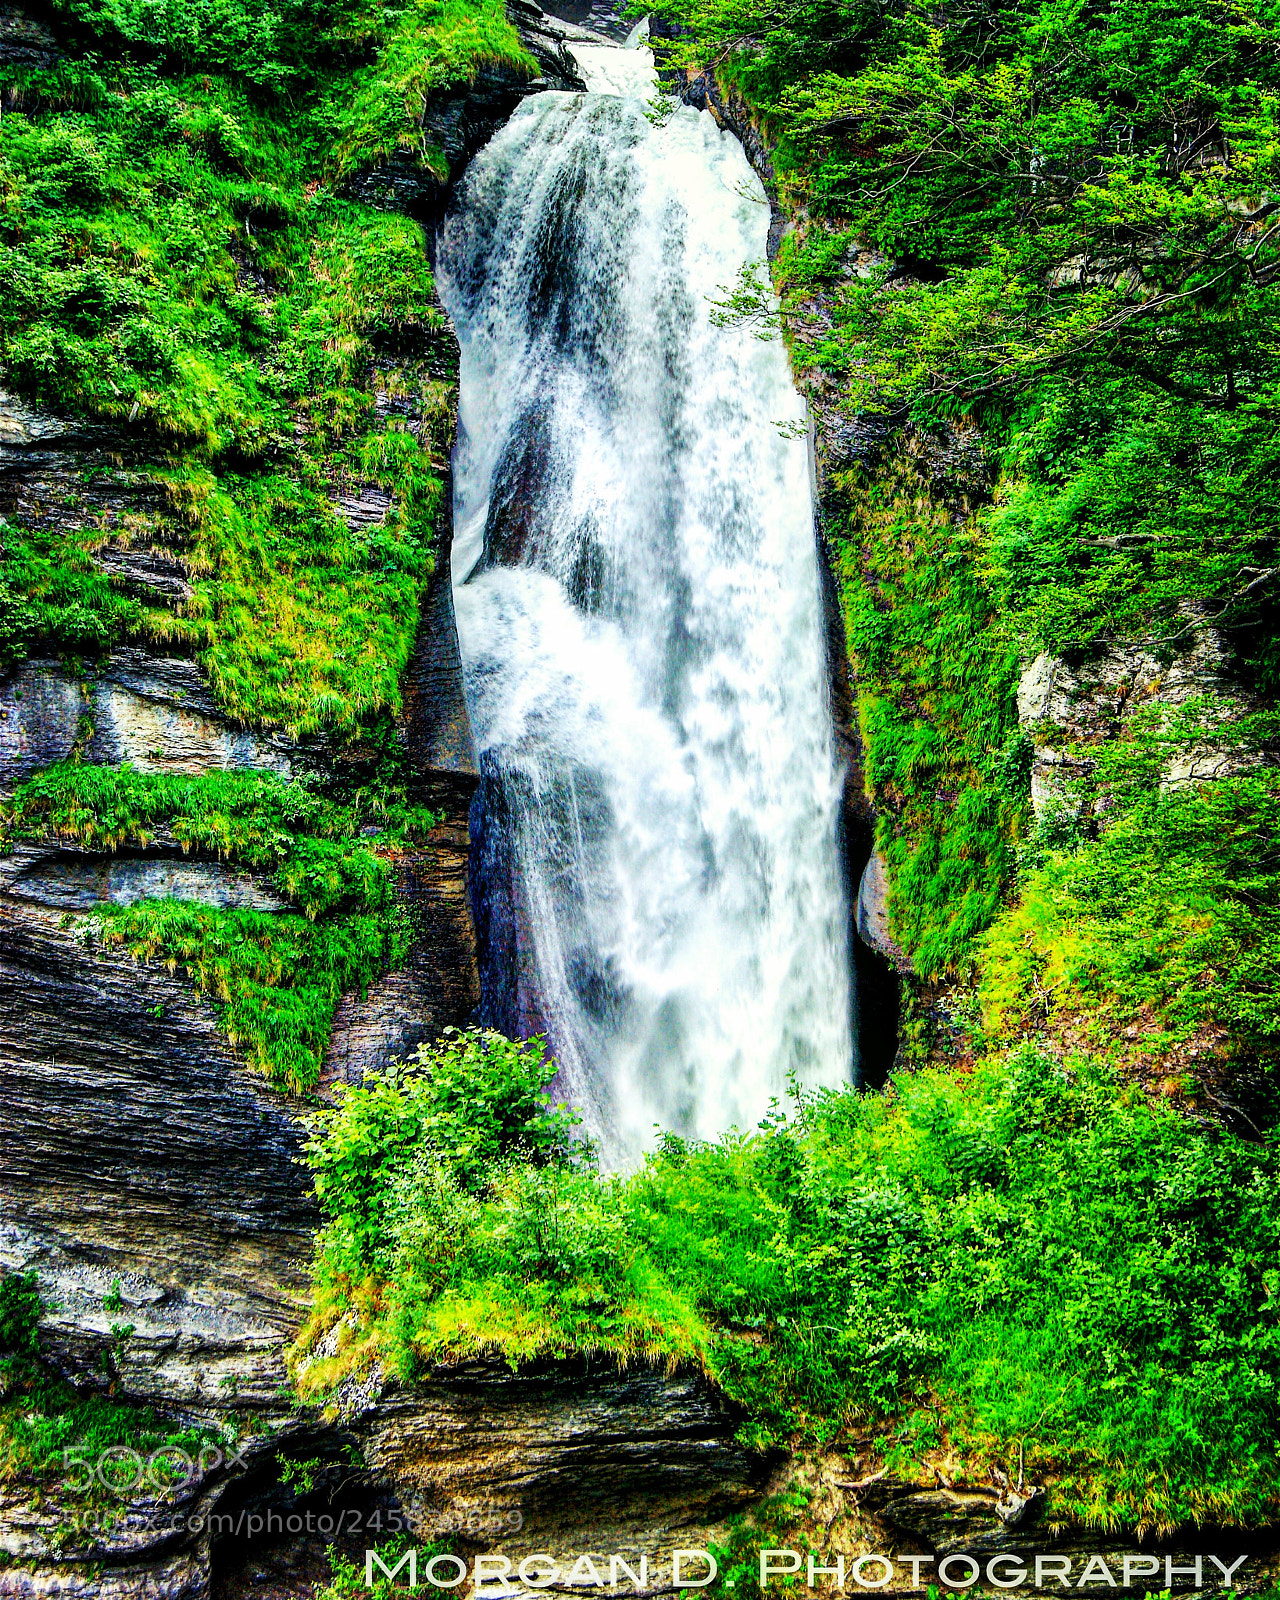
<point>639,613</point>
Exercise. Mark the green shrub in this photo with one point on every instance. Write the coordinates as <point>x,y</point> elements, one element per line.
<point>469,1103</point>
<point>1029,1253</point>
<point>20,1311</point>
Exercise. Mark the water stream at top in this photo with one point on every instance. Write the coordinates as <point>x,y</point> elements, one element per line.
<point>639,613</point>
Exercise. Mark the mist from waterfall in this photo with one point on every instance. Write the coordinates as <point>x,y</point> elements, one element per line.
<point>639,613</point>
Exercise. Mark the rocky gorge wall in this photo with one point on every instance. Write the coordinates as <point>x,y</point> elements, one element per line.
<point>143,1165</point>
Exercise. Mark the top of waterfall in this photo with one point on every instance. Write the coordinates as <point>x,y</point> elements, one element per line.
<point>625,70</point>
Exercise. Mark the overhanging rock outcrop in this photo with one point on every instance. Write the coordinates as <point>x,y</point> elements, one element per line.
<point>569,1454</point>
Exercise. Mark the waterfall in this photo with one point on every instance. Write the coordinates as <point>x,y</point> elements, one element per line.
<point>639,613</point>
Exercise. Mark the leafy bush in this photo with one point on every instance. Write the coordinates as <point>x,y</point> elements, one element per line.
<point>471,1102</point>
<point>1030,1252</point>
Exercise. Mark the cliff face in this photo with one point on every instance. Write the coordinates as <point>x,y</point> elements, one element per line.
<point>137,1147</point>
<point>143,1165</point>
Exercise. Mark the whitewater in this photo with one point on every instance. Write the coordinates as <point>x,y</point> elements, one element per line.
<point>639,613</point>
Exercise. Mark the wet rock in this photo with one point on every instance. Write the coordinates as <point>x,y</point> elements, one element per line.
<point>547,38</point>
<point>872,915</point>
<point>599,16</point>
<point>74,880</point>
<point>439,983</point>
<point>157,713</point>
<point>25,42</point>
<point>155,574</point>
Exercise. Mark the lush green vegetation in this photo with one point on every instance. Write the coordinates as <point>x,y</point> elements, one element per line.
<point>1033,1252</point>
<point>1037,244</point>
<point>279,974</point>
<point>176,260</point>
<point>1154,939</point>
<point>1039,241</point>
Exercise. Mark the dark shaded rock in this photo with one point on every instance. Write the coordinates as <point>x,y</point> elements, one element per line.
<point>546,38</point>
<point>599,16</point>
<point>510,989</point>
<point>519,494</point>
<point>74,880</point>
<point>172,1548</point>
<point>439,984</point>
<point>25,42</point>
<point>137,1147</point>
<point>437,727</point>
<point>41,708</point>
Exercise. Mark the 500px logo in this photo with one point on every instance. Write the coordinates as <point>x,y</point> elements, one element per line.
<point>121,1470</point>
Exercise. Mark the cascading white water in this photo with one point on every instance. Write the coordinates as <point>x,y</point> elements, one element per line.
<point>639,613</point>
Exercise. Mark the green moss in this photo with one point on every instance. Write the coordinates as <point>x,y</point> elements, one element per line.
<point>936,671</point>
<point>953,1262</point>
<point>175,263</point>
<point>428,46</point>
<point>279,975</point>
<point>1156,937</point>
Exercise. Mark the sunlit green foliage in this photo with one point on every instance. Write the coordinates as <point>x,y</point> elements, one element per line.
<point>175,262</point>
<point>278,974</point>
<point>1054,224</point>
<point>427,46</point>
<point>964,1256</point>
<point>1161,930</point>
<point>944,755</point>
